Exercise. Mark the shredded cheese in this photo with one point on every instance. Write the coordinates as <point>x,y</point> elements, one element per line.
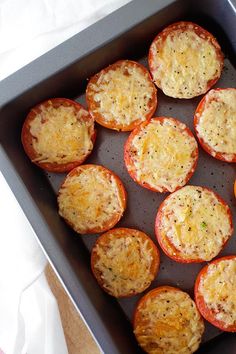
<point>218,288</point>
<point>124,263</point>
<point>194,223</point>
<point>169,323</point>
<point>217,123</point>
<point>163,154</point>
<point>122,94</point>
<point>184,63</point>
<point>90,199</point>
<point>61,135</point>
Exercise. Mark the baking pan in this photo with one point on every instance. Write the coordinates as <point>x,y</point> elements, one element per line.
<point>63,72</point>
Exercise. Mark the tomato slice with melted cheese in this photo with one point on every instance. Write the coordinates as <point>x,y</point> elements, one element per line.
<point>92,199</point>
<point>121,96</point>
<point>161,154</point>
<point>166,321</point>
<point>185,60</point>
<point>193,224</point>
<point>124,261</point>
<point>215,123</point>
<point>58,134</point>
<point>215,293</point>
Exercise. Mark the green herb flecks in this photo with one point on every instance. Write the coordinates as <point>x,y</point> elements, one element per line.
<point>203,225</point>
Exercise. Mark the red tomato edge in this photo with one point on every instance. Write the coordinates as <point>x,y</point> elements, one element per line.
<point>128,160</point>
<point>152,293</point>
<point>201,305</point>
<point>98,117</point>
<point>25,133</point>
<point>157,262</point>
<point>177,258</point>
<point>166,30</point>
<point>204,145</point>
<point>122,191</point>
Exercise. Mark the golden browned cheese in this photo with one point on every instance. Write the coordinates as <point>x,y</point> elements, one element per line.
<point>169,323</point>
<point>125,263</point>
<point>61,136</point>
<point>217,124</point>
<point>163,154</point>
<point>218,288</point>
<point>195,222</point>
<point>123,93</point>
<point>184,63</point>
<point>89,199</point>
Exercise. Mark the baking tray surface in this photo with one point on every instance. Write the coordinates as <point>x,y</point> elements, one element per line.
<point>143,204</point>
<point>37,190</point>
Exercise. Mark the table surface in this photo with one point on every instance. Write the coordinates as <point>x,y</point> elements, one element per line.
<point>78,337</point>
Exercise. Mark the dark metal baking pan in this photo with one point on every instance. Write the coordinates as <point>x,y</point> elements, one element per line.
<point>63,72</point>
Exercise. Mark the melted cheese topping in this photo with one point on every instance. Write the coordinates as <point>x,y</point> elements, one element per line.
<point>163,154</point>
<point>169,323</point>
<point>217,124</point>
<point>218,288</point>
<point>122,94</point>
<point>194,224</point>
<point>124,263</point>
<point>90,199</point>
<point>61,135</point>
<point>184,63</point>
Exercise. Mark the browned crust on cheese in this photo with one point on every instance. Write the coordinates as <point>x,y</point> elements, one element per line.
<point>93,105</point>
<point>115,217</point>
<point>105,241</point>
<point>27,138</point>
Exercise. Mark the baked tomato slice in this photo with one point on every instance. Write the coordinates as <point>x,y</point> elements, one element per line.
<point>58,134</point>
<point>215,293</point>
<point>124,261</point>
<point>122,95</point>
<point>161,154</point>
<point>185,60</point>
<point>92,199</point>
<point>193,224</point>
<point>166,320</point>
<point>215,123</point>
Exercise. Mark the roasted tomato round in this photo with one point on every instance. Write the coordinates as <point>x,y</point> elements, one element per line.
<point>58,134</point>
<point>215,123</point>
<point>124,261</point>
<point>122,95</point>
<point>215,293</point>
<point>185,60</point>
<point>167,321</point>
<point>92,199</point>
<point>161,154</point>
<point>193,224</point>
